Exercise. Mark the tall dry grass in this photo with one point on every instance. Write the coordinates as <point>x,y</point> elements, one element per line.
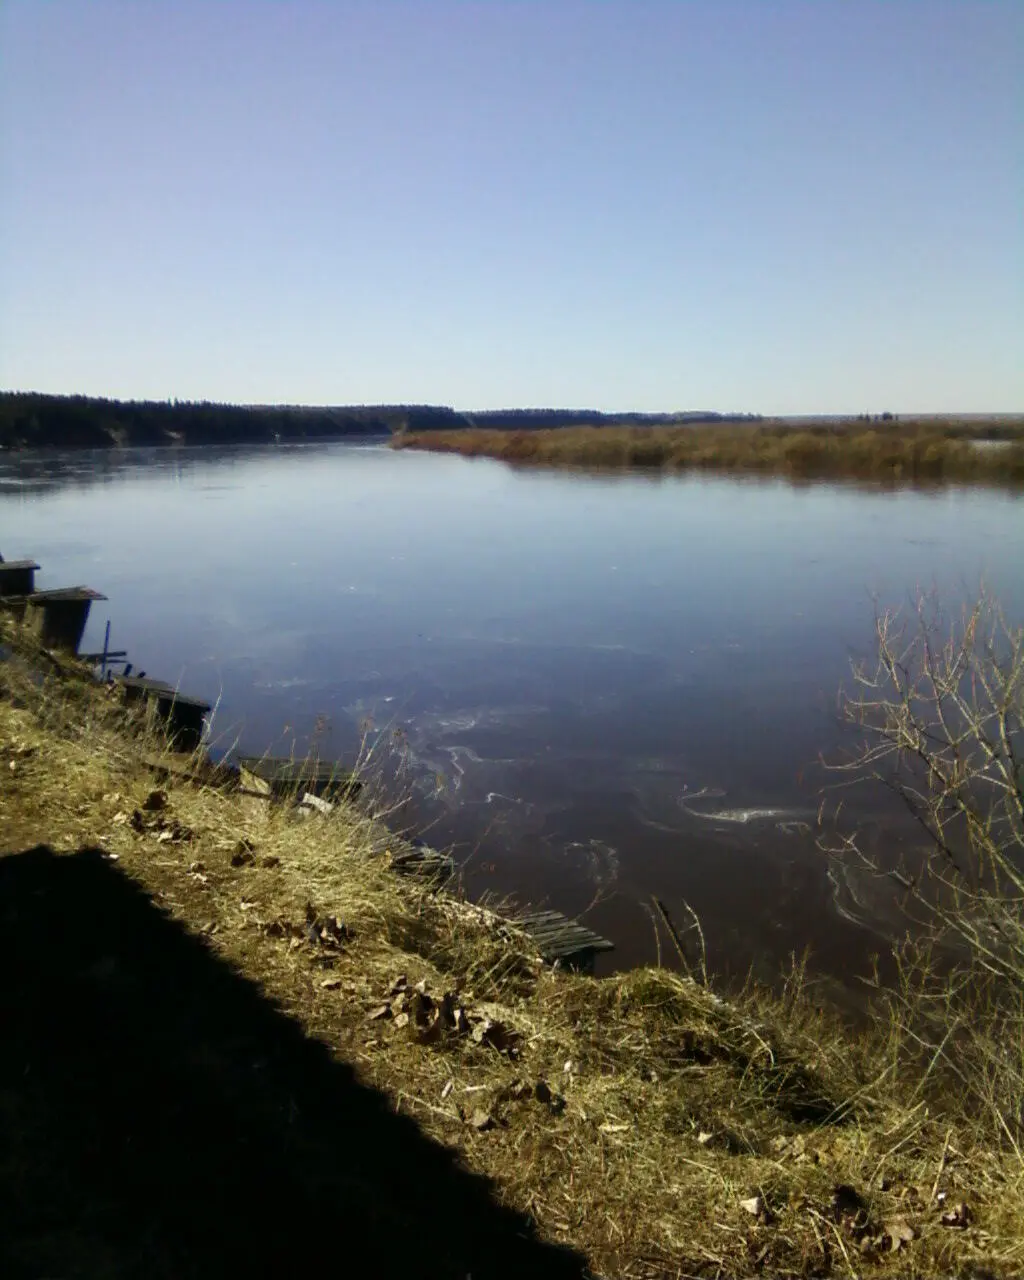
<point>913,452</point>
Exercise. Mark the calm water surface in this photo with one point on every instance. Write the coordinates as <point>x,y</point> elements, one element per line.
<point>560,663</point>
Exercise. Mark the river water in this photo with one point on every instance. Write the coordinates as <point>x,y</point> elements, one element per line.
<point>599,689</point>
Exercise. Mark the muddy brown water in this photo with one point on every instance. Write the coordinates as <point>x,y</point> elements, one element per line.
<point>598,689</point>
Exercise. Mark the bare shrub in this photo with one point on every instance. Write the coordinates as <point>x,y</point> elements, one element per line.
<point>942,715</point>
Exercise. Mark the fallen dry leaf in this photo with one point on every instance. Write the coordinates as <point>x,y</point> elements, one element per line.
<point>959,1216</point>
<point>900,1232</point>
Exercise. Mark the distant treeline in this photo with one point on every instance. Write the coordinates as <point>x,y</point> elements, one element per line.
<point>35,421</point>
<point>31,420</point>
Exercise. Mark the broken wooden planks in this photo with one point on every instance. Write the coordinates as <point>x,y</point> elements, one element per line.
<point>561,940</point>
<point>420,860</point>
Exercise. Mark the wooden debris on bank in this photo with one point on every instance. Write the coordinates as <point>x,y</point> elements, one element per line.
<point>413,858</point>
<point>285,778</point>
<point>562,940</point>
<point>184,715</point>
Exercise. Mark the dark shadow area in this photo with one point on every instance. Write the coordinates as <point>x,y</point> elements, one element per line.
<point>160,1118</point>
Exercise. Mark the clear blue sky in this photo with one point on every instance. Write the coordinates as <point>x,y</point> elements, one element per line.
<point>779,207</point>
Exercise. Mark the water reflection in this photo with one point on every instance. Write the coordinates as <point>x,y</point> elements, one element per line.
<point>41,471</point>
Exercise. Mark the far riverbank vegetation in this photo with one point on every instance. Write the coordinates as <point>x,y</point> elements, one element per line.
<point>880,448</point>
<point>892,452</point>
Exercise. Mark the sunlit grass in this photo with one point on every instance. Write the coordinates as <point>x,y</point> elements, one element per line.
<point>903,453</point>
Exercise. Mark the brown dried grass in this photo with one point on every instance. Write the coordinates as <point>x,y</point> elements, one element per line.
<point>915,452</point>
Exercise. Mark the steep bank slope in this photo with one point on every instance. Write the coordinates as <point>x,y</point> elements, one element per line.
<point>215,1009</point>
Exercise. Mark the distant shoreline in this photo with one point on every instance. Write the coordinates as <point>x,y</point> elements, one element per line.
<point>34,420</point>
<point>925,446</point>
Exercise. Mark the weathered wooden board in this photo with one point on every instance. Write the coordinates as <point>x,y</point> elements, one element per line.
<point>281,776</point>
<point>184,715</point>
<point>556,937</point>
<point>59,617</point>
<point>17,577</point>
<point>424,862</point>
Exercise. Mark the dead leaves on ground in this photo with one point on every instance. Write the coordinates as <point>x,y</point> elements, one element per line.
<point>321,932</point>
<point>484,1119</point>
<point>153,819</point>
<point>916,1208</point>
<point>431,1019</point>
<point>852,1214</point>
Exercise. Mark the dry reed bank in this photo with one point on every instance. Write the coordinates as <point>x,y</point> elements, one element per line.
<point>924,451</point>
<point>639,1120</point>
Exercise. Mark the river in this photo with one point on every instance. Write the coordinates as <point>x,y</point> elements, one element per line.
<point>599,689</point>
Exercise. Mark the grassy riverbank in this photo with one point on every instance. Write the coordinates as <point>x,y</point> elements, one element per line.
<point>925,451</point>
<point>235,1040</point>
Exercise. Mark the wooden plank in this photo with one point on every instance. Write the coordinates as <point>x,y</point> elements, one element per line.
<point>172,697</point>
<point>560,925</point>
<point>539,917</point>
<point>143,684</point>
<point>566,932</point>
<point>285,775</point>
<point>564,946</point>
<point>576,956</point>
<point>425,863</point>
<point>164,693</point>
<point>556,937</point>
<point>282,769</point>
<point>62,594</point>
<point>17,577</point>
<point>585,939</point>
<point>552,932</point>
<point>568,950</point>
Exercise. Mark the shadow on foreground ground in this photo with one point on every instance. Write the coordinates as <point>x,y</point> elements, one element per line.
<point>159,1118</point>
